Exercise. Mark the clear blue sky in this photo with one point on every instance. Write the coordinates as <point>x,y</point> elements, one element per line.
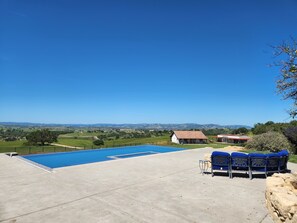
<point>142,61</point>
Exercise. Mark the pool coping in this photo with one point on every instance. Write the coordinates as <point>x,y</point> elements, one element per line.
<point>32,163</point>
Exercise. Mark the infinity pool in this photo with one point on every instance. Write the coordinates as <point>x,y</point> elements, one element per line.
<point>56,160</point>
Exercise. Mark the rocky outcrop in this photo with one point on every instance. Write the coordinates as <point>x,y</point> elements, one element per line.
<point>281,197</point>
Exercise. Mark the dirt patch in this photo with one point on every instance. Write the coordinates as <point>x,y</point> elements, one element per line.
<point>233,148</point>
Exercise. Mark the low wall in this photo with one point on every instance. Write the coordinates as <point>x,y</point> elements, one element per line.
<point>281,197</point>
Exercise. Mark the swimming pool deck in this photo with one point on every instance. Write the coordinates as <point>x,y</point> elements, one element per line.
<point>156,188</point>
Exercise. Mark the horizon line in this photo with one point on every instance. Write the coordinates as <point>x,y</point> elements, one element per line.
<point>106,123</point>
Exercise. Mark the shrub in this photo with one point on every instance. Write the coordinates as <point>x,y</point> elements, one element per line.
<point>98,142</point>
<point>291,134</point>
<point>10,138</point>
<point>272,141</point>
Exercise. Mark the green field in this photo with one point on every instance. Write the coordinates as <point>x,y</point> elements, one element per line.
<point>161,140</point>
<point>76,142</point>
<point>80,134</point>
<point>12,143</point>
<point>293,158</point>
<point>20,148</point>
<point>88,143</point>
<point>33,149</point>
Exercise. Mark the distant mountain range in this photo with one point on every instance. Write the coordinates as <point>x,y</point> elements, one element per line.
<point>126,126</point>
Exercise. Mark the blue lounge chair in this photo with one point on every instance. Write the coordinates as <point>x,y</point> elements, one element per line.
<point>220,161</point>
<point>284,157</point>
<point>257,163</point>
<point>272,163</point>
<point>239,162</point>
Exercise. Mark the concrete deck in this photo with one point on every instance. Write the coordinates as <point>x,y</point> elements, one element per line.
<point>157,188</point>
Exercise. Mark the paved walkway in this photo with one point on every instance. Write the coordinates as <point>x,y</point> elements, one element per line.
<point>156,188</point>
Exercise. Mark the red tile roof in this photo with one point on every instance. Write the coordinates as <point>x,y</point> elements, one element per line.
<point>189,135</point>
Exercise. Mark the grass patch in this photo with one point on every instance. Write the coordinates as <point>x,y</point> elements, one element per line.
<point>293,158</point>
<point>19,147</point>
<point>88,143</point>
<point>24,150</point>
<point>17,143</point>
<point>80,134</point>
<point>76,142</point>
<point>160,140</point>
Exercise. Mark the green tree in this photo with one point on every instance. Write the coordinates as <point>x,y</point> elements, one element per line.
<point>269,126</point>
<point>12,134</point>
<point>241,130</point>
<point>98,142</point>
<point>287,82</point>
<point>259,128</point>
<point>42,137</point>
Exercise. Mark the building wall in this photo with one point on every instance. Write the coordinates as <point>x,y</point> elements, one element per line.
<point>192,141</point>
<point>227,140</point>
<point>174,139</point>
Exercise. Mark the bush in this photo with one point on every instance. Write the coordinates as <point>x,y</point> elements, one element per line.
<point>10,138</point>
<point>98,142</point>
<point>272,141</point>
<point>291,134</point>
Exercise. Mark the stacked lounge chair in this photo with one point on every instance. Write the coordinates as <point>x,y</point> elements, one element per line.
<point>239,162</point>
<point>249,163</point>
<point>220,161</point>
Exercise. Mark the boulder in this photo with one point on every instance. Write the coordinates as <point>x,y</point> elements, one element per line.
<point>281,197</point>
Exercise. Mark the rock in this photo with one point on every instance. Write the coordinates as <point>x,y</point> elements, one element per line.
<point>290,215</point>
<point>283,201</point>
<point>294,219</point>
<point>282,218</point>
<point>281,197</point>
<point>293,210</point>
<point>273,182</point>
<point>294,184</point>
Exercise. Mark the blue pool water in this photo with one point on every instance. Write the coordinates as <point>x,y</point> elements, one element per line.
<point>56,160</point>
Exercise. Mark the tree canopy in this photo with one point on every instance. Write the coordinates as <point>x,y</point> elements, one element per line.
<point>12,134</point>
<point>98,142</point>
<point>287,82</point>
<point>269,126</point>
<point>241,130</point>
<point>42,137</point>
<point>289,130</point>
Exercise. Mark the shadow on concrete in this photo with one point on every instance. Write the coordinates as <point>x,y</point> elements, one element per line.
<point>238,175</point>
<point>221,174</point>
